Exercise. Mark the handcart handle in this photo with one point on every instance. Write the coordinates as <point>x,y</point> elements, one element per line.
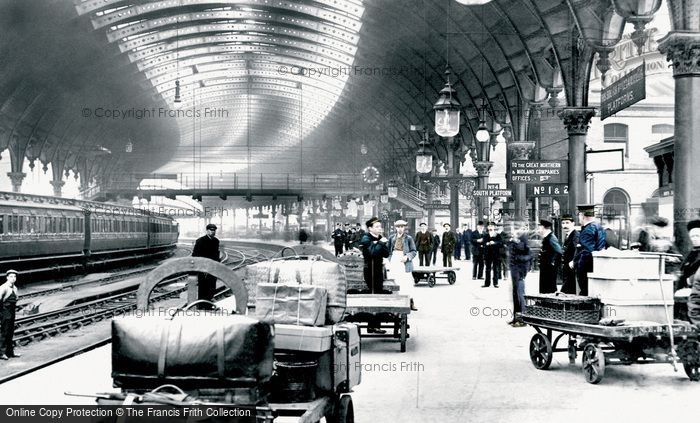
<point>169,386</point>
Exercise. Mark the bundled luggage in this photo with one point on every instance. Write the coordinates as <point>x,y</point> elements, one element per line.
<point>197,351</point>
<point>306,270</point>
<point>291,304</point>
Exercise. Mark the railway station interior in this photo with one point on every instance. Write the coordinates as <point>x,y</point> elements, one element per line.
<point>134,132</point>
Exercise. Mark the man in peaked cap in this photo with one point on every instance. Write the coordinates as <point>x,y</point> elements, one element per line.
<point>8,307</point>
<point>207,246</point>
<point>375,247</point>
<point>550,257</point>
<point>591,238</point>
<point>568,274</point>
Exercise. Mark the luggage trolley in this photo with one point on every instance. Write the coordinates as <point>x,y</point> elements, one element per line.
<point>334,405</point>
<point>431,273</point>
<point>607,342</point>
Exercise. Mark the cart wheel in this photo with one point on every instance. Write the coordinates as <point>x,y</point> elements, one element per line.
<point>451,278</point>
<point>690,356</point>
<point>540,351</point>
<point>431,280</point>
<point>593,363</point>
<point>344,412</point>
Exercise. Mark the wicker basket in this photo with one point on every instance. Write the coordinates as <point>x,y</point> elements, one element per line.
<point>571,308</point>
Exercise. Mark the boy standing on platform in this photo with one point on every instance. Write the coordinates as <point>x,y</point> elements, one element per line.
<point>568,275</point>
<point>424,244</point>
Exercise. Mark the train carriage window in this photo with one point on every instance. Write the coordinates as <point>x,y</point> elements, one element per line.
<point>2,225</point>
<point>32,224</point>
<point>62,223</point>
<point>20,230</point>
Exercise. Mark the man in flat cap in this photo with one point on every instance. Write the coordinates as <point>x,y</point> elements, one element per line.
<point>477,240</point>
<point>207,246</point>
<point>375,247</point>
<point>550,257</point>
<point>403,251</point>
<point>591,238</point>
<point>448,245</point>
<point>8,307</point>
<point>568,275</point>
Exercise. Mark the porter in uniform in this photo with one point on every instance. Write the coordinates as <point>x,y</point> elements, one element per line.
<point>591,238</point>
<point>374,249</point>
<point>207,246</point>
<point>401,255</point>
<point>8,306</point>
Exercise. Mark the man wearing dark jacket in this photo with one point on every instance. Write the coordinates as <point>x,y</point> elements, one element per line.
<point>477,240</point>
<point>568,275</point>
<point>467,242</point>
<point>207,246</point>
<point>550,257</point>
<point>436,245</point>
<point>520,257</point>
<point>339,236</point>
<point>458,245</point>
<point>448,245</point>
<point>590,239</point>
<point>374,249</point>
<point>492,242</point>
<point>424,245</point>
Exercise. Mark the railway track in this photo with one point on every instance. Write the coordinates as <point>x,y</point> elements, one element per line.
<point>43,325</point>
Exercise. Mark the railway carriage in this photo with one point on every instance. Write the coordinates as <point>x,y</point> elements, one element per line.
<point>40,231</point>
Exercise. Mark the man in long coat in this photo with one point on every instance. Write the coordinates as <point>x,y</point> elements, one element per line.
<point>207,246</point>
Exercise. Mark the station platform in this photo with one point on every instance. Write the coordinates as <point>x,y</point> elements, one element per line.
<point>463,363</point>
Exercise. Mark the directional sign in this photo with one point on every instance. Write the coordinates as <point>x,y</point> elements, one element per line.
<point>260,216</point>
<point>493,193</point>
<point>546,190</point>
<point>412,214</point>
<point>493,186</point>
<point>539,171</point>
<point>436,206</point>
<point>623,93</point>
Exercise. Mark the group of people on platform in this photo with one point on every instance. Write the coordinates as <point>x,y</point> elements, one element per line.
<point>346,238</point>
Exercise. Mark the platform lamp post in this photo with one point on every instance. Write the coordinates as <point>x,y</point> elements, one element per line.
<point>447,115</point>
<point>639,13</point>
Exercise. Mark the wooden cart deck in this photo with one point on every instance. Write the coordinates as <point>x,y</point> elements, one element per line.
<point>601,346</point>
<point>388,308</point>
<point>431,273</point>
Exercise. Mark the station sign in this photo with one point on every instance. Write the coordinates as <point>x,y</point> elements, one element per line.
<point>493,193</point>
<point>624,92</point>
<point>546,190</point>
<point>493,186</point>
<point>436,206</point>
<point>539,171</point>
<point>412,214</point>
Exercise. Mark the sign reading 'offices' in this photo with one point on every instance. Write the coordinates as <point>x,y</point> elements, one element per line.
<point>626,91</point>
<point>539,171</point>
